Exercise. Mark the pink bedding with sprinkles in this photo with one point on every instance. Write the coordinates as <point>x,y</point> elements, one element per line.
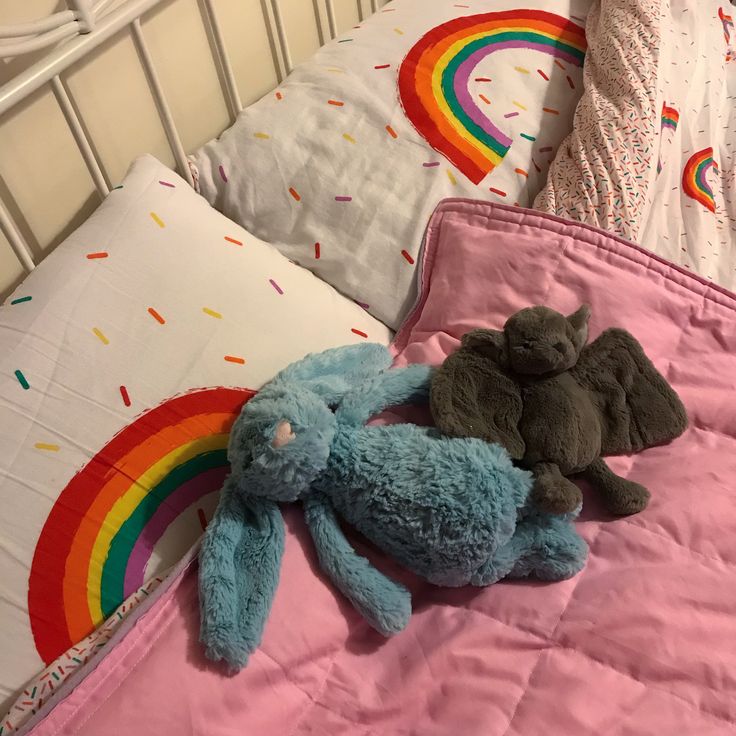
<point>642,641</point>
<point>652,154</point>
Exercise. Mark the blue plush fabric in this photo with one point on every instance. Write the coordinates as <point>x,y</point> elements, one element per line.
<point>455,511</point>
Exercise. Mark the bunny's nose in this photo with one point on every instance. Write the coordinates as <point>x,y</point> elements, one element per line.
<point>283,434</point>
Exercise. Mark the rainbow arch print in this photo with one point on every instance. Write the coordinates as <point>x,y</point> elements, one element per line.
<point>670,119</point>
<point>728,26</point>
<point>434,79</point>
<point>101,532</point>
<point>694,178</point>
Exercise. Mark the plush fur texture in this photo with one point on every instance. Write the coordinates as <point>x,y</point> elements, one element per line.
<point>239,567</point>
<point>455,511</point>
<point>558,405</point>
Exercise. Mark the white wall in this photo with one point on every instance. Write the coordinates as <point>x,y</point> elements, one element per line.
<point>43,179</point>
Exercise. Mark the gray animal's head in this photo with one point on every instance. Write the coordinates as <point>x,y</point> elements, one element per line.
<point>282,439</point>
<point>535,341</point>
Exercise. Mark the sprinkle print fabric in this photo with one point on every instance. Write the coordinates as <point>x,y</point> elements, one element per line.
<point>651,155</point>
<point>124,358</point>
<point>43,688</point>
<point>342,165</point>
<point>692,208</point>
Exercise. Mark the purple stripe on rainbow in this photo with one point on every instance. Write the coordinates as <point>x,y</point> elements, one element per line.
<point>669,123</point>
<point>461,82</point>
<point>186,494</point>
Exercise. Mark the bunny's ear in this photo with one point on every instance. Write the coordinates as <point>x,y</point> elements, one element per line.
<point>332,373</point>
<point>239,566</point>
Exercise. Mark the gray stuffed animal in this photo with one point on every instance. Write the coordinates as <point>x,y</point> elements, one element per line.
<point>558,405</point>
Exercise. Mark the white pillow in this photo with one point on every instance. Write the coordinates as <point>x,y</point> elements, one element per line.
<point>155,295</point>
<point>331,158</point>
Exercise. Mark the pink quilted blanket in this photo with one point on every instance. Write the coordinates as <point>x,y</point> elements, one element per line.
<point>643,641</point>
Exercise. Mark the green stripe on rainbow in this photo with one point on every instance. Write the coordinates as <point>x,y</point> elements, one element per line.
<point>101,532</point>
<point>694,178</point>
<point>434,80</point>
<point>124,568</point>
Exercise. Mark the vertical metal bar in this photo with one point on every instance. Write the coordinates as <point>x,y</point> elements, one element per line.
<point>374,6</point>
<point>331,22</point>
<point>231,85</point>
<point>75,125</point>
<point>17,243</point>
<point>281,33</point>
<point>164,111</point>
<point>272,41</point>
<point>318,20</point>
<point>360,11</point>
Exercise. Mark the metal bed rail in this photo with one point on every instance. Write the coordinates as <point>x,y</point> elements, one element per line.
<point>84,27</point>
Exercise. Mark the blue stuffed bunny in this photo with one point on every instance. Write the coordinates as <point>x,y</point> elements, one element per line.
<point>454,511</point>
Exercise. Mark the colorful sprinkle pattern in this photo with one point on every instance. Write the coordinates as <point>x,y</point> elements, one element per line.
<point>683,207</point>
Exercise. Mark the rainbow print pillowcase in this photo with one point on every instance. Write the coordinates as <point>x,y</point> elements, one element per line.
<point>124,359</point>
<point>341,166</point>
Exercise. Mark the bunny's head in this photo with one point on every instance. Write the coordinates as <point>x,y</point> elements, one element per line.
<point>281,441</point>
<point>278,446</point>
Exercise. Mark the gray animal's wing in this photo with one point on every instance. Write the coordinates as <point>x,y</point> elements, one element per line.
<point>638,408</point>
<point>472,397</point>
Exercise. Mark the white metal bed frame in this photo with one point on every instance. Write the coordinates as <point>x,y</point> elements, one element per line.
<point>86,25</point>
